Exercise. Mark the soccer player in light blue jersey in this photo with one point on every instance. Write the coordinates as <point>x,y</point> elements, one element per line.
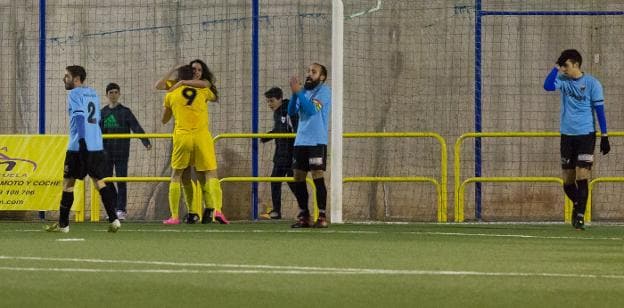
<point>85,153</point>
<point>581,98</point>
<point>313,104</point>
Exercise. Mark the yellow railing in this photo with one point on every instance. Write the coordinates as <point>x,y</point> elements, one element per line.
<point>95,202</point>
<point>459,209</point>
<point>441,187</point>
<point>197,199</point>
<point>591,187</point>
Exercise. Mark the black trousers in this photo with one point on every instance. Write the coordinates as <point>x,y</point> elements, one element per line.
<point>276,187</point>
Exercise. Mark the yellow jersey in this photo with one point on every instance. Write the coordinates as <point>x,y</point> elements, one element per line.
<point>190,108</point>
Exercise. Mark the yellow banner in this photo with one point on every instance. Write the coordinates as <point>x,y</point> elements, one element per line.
<point>31,171</point>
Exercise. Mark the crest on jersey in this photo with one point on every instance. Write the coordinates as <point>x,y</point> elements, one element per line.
<point>317,105</point>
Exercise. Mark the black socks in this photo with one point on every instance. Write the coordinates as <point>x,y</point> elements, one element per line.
<point>301,193</point>
<point>582,194</point>
<point>109,198</point>
<point>66,203</point>
<point>321,194</point>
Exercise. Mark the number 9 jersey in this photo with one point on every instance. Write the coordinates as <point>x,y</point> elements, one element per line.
<point>84,119</point>
<point>189,106</point>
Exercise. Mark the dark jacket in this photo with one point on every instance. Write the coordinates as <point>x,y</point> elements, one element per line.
<point>119,120</point>
<point>283,124</point>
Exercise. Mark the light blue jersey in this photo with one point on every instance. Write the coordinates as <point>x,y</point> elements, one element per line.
<point>313,107</point>
<point>579,98</point>
<point>83,105</point>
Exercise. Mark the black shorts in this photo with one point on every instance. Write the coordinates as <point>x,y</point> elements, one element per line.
<point>78,165</point>
<point>577,151</point>
<point>307,158</point>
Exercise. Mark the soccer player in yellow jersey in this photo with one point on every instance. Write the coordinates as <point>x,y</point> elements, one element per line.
<point>192,146</point>
<point>202,78</point>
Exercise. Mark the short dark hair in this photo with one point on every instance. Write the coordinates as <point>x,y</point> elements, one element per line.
<point>77,71</point>
<point>323,69</point>
<point>570,54</point>
<point>112,86</point>
<point>185,72</point>
<point>274,92</point>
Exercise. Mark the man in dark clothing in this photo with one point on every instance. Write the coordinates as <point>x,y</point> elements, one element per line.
<point>119,119</point>
<point>282,159</point>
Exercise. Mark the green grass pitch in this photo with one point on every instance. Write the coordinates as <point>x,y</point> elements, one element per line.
<point>267,264</point>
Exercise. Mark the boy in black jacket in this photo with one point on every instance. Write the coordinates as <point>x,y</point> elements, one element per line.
<point>282,159</point>
<point>119,119</point>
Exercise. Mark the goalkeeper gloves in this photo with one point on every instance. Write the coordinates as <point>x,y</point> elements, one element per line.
<point>604,145</point>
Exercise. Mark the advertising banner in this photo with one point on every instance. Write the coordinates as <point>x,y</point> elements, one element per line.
<point>31,171</point>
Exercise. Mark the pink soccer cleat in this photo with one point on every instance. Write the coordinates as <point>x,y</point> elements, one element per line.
<point>172,221</point>
<point>219,217</point>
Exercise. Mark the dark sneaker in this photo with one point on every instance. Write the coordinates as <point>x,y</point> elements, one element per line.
<point>207,216</point>
<point>191,218</point>
<point>321,222</point>
<point>303,222</point>
<point>579,223</point>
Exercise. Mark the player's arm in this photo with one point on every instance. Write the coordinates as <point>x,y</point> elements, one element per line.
<point>551,79</point>
<point>293,107</point>
<point>597,101</point>
<point>166,115</point>
<point>195,83</point>
<point>78,115</point>
<point>161,84</point>
<point>167,112</point>
<point>136,128</point>
<point>307,105</point>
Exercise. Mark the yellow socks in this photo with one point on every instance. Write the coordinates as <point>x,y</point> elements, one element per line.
<point>174,199</point>
<point>188,196</point>
<point>213,194</point>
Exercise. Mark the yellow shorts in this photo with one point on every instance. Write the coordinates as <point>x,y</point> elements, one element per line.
<point>193,149</point>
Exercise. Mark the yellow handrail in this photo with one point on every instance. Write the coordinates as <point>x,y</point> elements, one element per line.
<point>457,154</point>
<point>441,188</point>
<point>95,202</point>
<point>591,187</point>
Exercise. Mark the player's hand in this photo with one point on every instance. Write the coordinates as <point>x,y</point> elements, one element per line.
<point>605,147</point>
<point>295,84</point>
<point>266,139</point>
<point>83,151</point>
<point>82,146</point>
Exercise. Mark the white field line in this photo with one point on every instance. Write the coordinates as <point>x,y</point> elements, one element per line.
<point>360,232</point>
<point>378,232</point>
<point>270,269</point>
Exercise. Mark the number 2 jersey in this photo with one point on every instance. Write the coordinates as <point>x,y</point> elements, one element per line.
<point>190,108</point>
<point>83,106</point>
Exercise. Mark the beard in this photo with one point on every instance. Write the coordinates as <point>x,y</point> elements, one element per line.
<point>69,86</point>
<point>310,84</point>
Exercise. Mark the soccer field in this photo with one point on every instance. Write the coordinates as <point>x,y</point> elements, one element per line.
<point>270,265</point>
